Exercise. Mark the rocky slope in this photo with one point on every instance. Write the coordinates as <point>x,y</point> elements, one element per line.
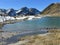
<point>53,9</point>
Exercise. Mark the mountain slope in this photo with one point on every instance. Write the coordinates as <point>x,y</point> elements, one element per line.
<point>28,11</point>
<point>53,9</point>
<point>11,12</point>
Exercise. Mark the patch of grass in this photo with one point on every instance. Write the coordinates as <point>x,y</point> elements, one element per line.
<point>1,25</point>
<point>53,38</point>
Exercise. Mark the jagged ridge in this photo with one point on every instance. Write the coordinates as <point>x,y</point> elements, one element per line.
<point>22,11</point>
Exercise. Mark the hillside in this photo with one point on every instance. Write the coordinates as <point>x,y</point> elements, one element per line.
<point>53,9</point>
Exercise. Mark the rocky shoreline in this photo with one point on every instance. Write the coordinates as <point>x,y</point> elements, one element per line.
<point>38,39</point>
<point>50,38</point>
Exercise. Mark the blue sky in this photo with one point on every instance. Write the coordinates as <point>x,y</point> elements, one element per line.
<point>17,4</point>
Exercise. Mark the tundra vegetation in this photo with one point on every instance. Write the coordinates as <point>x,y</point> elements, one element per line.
<point>52,38</point>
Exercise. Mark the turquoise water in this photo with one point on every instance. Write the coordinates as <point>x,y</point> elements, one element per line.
<point>34,25</point>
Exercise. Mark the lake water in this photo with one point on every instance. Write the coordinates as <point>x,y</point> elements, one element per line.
<point>30,27</point>
<point>33,25</point>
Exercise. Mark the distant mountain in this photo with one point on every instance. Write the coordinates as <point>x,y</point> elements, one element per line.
<point>33,11</point>
<point>2,12</point>
<point>52,9</point>
<point>11,12</point>
<point>23,11</point>
<point>28,11</point>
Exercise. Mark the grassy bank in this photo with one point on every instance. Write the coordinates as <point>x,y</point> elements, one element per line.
<point>1,25</point>
<point>52,38</point>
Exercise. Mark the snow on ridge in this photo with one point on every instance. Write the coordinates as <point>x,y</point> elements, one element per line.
<point>4,18</point>
<point>7,18</point>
